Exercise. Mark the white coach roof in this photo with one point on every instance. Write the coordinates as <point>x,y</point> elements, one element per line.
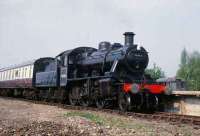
<point>18,65</point>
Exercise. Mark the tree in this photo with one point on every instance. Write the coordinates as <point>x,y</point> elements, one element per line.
<point>155,72</point>
<point>190,69</point>
<point>184,57</point>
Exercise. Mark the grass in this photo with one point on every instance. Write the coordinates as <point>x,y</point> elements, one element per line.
<point>124,123</point>
<point>105,120</point>
<point>94,118</point>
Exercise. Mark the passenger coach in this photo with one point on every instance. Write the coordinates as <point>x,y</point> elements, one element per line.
<point>20,80</point>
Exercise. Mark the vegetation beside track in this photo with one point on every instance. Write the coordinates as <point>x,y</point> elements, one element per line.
<point>119,122</point>
<point>22,117</point>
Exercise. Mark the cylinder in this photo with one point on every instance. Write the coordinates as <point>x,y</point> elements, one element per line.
<point>129,38</point>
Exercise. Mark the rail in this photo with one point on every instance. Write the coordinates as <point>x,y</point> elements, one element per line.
<point>172,118</point>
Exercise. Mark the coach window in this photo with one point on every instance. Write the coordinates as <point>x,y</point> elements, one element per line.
<point>16,73</point>
<point>22,72</point>
<point>4,75</point>
<point>0,76</point>
<point>30,69</point>
<point>19,72</point>
<point>9,74</point>
<point>13,75</point>
<point>25,72</point>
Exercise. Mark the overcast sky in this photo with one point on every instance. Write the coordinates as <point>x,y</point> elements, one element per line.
<point>31,29</point>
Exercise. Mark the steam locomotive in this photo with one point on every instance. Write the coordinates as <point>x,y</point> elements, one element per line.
<point>111,74</point>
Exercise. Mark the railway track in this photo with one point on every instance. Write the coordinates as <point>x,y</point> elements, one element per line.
<point>173,118</point>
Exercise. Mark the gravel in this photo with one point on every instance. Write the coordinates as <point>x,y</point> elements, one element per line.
<point>22,118</point>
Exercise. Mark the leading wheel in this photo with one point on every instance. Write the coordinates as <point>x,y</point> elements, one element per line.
<point>85,102</point>
<point>100,103</point>
<point>72,100</point>
<point>124,101</point>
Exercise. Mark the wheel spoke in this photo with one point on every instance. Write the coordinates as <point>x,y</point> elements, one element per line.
<point>85,102</point>
<point>100,103</point>
<point>122,102</point>
<point>72,101</point>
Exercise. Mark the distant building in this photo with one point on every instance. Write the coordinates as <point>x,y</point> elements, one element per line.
<point>173,83</point>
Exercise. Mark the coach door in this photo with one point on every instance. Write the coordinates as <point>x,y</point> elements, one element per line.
<point>62,61</point>
<point>63,76</point>
<point>63,71</point>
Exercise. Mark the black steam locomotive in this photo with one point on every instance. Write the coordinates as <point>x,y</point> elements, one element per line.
<point>113,73</point>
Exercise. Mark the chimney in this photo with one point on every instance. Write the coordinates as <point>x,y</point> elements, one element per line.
<point>129,38</point>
